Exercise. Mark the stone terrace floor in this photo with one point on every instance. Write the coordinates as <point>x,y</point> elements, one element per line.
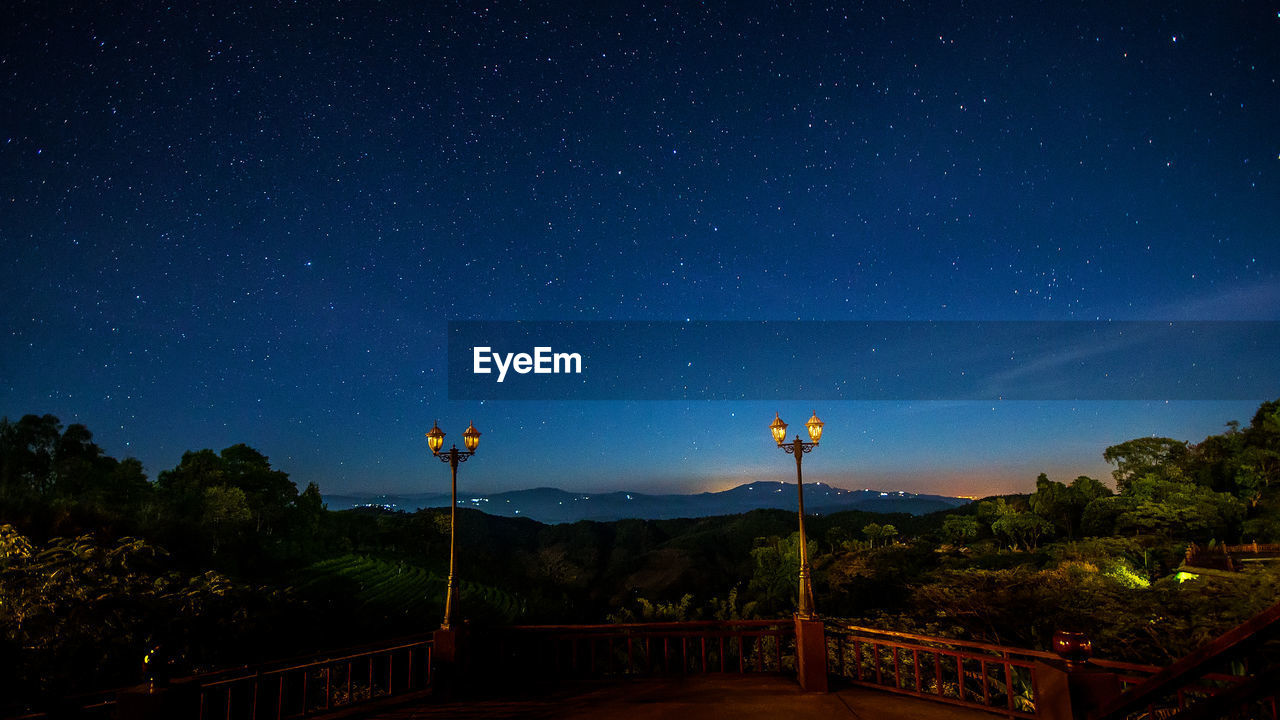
<point>704,697</point>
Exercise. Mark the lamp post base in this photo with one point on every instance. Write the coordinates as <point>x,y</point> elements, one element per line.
<point>445,660</point>
<point>811,654</point>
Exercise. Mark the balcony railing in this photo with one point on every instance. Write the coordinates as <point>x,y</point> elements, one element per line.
<point>281,690</point>
<point>956,672</point>
<point>1002,679</point>
<point>1234,675</point>
<point>993,678</point>
<point>316,686</point>
<point>638,649</point>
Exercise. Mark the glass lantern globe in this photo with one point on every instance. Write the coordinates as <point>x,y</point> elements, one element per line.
<point>779,429</point>
<point>471,437</point>
<point>435,438</point>
<point>815,428</point>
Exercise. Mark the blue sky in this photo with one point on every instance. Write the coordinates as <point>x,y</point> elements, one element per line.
<point>252,223</point>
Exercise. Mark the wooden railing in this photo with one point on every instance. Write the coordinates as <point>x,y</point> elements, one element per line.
<point>281,690</point>
<point>957,672</point>
<point>1231,676</point>
<point>989,677</point>
<point>1133,675</point>
<point>636,649</point>
<point>1229,557</point>
<point>317,686</point>
<point>1255,548</point>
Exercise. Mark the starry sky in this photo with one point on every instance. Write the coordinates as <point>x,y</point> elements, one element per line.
<point>231,222</point>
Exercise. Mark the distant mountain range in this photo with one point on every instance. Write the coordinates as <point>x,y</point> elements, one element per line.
<point>549,505</point>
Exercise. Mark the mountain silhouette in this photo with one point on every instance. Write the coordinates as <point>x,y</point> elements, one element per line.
<point>552,505</point>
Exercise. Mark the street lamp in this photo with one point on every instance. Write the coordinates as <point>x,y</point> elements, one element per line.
<point>453,456</point>
<point>798,448</point>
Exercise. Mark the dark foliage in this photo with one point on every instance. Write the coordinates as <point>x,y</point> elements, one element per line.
<point>224,560</point>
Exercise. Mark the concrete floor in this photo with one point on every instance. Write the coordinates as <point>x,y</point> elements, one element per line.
<point>704,697</point>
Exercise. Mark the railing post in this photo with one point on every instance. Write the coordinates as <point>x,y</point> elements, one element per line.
<point>1070,693</point>
<point>1070,688</point>
<point>446,654</point>
<point>811,654</point>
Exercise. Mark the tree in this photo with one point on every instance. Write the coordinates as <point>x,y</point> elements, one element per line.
<point>308,516</point>
<point>1018,528</point>
<point>226,513</point>
<point>888,533</point>
<point>1064,505</point>
<point>27,450</point>
<point>79,612</point>
<point>646,611</point>
<point>76,458</point>
<point>1145,456</point>
<point>1101,514</point>
<point>775,580</point>
<point>1263,528</point>
<point>1264,429</point>
<point>1176,508</point>
<point>729,609</point>
<point>1087,489</point>
<point>1082,492</point>
<point>125,484</point>
<point>873,531</point>
<point>988,511</point>
<point>959,528</point>
<point>1252,471</point>
<point>1210,462</point>
<point>269,492</point>
<point>1053,501</point>
<point>198,469</point>
<point>838,537</point>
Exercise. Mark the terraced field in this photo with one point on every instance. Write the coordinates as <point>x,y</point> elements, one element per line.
<point>399,589</point>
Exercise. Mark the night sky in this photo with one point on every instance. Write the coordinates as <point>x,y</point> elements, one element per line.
<point>226,222</point>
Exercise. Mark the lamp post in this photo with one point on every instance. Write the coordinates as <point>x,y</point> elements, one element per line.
<point>453,456</point>
<point>798,448</point>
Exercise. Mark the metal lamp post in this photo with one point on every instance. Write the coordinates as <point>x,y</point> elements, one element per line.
<point>798,448</point>
<point>453,456</point>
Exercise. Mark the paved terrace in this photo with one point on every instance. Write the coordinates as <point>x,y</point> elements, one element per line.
<point>703,697</point>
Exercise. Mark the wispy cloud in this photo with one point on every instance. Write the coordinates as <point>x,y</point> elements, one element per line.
<point>1255,301</point>
<point>1053,371</point>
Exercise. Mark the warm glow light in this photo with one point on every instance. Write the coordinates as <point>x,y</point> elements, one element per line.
<point>1074,647</point>
<point>471,437</point>
<point>435,438</point>
<point>778,428</point>
<point>815,427</point>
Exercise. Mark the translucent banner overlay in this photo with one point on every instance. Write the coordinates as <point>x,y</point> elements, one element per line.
<point>889,360</point>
